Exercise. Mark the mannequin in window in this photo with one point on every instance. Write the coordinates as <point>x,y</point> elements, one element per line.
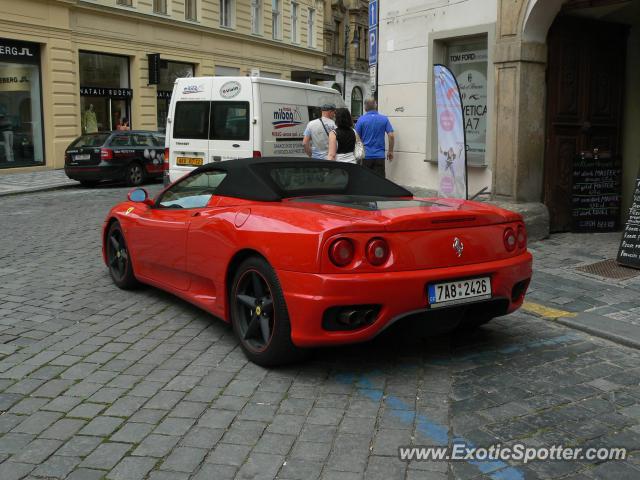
<point>89,120</point>
<point>6,128</point>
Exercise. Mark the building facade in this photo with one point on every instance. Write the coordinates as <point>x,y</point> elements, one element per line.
<point>346,48</point>
<point>72,66</point>
<point>542,81</point>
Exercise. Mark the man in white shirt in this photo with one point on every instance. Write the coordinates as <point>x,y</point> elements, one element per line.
<point>316,135</point>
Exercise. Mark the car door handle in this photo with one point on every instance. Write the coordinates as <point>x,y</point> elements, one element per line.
<point>235,145</point>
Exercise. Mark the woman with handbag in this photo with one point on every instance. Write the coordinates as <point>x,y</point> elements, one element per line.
<point>344,143</point>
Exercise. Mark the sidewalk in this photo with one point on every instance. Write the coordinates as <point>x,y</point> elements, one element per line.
<point>12,183</point>
<point>569,285</point>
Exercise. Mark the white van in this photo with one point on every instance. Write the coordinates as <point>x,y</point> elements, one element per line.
<point>221,118</point>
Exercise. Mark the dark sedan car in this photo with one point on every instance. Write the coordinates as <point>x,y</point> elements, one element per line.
<point>130,156</point>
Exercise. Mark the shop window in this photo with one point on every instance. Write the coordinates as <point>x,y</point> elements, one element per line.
<point>105,96</point>
<point>169,72</point>
<point>227,71</point>
<point>467,59</point>
<point>356,102</point>
<point>125,3</point>
<point>21,138</point>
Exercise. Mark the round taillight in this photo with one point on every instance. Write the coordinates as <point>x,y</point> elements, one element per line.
<point>341,252</point>
<point>377,251</point>
<point>509,239</point>
<point>522,236</point>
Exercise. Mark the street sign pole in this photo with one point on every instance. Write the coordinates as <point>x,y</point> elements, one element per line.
<point>373,46</point>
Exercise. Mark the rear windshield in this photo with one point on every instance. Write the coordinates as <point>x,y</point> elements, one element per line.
<point>229,121</point>
<point>90,140</point>
<point>303,179</point>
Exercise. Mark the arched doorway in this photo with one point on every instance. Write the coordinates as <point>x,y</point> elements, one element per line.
<point>356,102</point>
<point>591,49</point>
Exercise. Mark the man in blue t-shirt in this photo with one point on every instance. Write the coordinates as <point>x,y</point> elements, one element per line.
<point>372,127</point>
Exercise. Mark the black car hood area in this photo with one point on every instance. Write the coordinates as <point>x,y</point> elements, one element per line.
<point>363,202</point>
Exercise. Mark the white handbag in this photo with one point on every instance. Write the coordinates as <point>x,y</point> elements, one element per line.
<point>358,150</point>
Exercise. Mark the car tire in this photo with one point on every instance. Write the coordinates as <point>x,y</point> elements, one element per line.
<point>134,175</point>
<point>259,315</point>
<point>88,183</point>
<point>119,258</point>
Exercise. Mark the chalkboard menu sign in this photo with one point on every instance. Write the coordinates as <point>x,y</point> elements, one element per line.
<point>596,192</point>
<point>629,253</point>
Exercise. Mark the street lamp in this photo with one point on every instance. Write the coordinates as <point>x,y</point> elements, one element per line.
<point>356,41</point>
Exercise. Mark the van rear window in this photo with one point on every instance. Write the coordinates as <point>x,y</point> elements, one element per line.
<point>191,120</point>
<point>229,121</point>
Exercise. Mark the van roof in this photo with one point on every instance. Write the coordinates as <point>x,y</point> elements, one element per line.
<point>268,81</point>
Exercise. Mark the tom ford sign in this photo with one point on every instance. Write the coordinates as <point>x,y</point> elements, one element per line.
<point>22,52</point>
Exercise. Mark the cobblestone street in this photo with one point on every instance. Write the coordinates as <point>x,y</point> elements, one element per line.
<point>96,382</point>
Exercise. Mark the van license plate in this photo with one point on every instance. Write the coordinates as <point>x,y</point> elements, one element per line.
<point>191,161</point>
<point>460,291</point>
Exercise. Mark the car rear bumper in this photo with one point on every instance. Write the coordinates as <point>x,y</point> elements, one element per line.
<point>95,172</point>
<point>398,294</point>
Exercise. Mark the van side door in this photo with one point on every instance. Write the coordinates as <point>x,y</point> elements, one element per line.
<point>230,130</point>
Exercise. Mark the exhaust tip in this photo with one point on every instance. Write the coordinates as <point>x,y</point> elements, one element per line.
<point>350,317</point>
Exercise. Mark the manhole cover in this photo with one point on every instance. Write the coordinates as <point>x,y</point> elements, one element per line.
<point>609,269</point>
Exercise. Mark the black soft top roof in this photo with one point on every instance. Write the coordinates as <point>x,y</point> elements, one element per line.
<point>250,178</point>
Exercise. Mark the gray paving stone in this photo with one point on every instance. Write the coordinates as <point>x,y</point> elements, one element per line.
<point>156,446</point>
<point>226,454</point>
<point>14,442</point>
<point>106,456</point>
<point>202,437</point>
<point>56,467</point>
<point>132,432</point>
<point>79,446</point>
<point>63,429</point>
<point>86,474</point>
<point>37,423</point>
<point>14,471</point>
<point>86,410</point>
<point>184,459</point>
<point>37,451</point>
<point>219,472</point>
<point>174,426</point>
<point>132,468</point>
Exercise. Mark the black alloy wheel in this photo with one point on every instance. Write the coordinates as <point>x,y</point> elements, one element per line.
<point>259,314</point>
<point>135,174</point>
<point>255,310</point>
<point>119,259</point>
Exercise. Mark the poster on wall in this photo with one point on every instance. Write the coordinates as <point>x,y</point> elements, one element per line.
<point>469,64</point>
<point>452,158</point>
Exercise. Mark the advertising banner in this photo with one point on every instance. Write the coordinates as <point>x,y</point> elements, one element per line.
<point>452,158</point>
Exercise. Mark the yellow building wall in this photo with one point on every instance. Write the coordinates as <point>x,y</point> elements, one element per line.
<point>63,28</point>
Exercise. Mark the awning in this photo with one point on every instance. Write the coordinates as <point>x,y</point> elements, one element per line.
<point>309,76</point>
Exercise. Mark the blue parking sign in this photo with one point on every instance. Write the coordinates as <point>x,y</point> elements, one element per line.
<point>373,46</point>
<point>373,13</point>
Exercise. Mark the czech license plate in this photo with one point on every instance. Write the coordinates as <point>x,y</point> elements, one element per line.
<point>84,156</point>
<point>190,161</point>
<point>459,291</point>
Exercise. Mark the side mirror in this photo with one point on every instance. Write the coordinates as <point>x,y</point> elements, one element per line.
<point>139,195</point>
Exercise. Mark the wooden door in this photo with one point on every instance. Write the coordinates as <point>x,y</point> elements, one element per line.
<point>585,83</point>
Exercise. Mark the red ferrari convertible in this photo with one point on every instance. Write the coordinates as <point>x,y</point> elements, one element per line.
<point>300,253</point>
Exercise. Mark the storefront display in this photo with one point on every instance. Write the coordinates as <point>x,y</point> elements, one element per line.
<point>20,105</point>
<point>105,96</point>
<point>169,71</point>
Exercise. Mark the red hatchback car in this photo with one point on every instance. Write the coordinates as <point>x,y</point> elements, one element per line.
<point>301,253</point>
